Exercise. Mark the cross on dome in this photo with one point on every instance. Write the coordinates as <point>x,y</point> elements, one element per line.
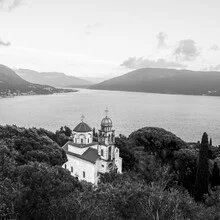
<point>82,118</point>
<point>106,111</point>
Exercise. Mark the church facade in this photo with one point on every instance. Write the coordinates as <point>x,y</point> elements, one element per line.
<point>87,159</point>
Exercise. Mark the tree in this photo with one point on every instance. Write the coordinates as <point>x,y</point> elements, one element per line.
<point>158,142</point>
<point>210,142</point>
<point>67,131</point>
<point>215,179</point>
<point>32,145</point>
<point>9,184</point>
<point>43,185</point>
<point>185,167</point>
<point>202,174</point>
<point>125,147</point>
<point>95,135</point>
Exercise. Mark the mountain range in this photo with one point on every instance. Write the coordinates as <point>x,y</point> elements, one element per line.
<point>150,80</point>
<point>9,80</point>
<point>55,79</point>
<point>168,81</point>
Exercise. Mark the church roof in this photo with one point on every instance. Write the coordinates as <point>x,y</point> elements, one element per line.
<point>90,155</point>
<point>82,127</point>
<point>106,122</point>
<point>80,145</point>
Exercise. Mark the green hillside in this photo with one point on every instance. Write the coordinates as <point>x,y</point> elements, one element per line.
<point>11,82</point>
<point>169,81</point>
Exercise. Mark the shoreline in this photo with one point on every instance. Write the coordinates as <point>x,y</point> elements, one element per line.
<point>134,91</point>
<point>27,94</point>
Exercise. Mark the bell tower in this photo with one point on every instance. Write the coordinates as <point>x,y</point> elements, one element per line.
<point>106,144</point>
<point>106,134</point>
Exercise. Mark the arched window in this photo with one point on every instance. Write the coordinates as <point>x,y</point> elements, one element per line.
<point>65,166</point>
<point>112,138</point>
<point>82,139</point>
<point>109,152</point>
<point>88,140</point>
<point>71,169</point>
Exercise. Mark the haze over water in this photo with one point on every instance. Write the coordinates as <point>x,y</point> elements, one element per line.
<point>186,116</point>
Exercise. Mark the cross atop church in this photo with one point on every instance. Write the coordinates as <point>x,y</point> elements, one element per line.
<point>106,112</point>
<point>82,118</point>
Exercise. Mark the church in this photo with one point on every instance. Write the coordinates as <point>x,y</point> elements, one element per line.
<point>88,159</point>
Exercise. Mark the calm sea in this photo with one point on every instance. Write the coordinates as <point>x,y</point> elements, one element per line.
<point>186,116</point>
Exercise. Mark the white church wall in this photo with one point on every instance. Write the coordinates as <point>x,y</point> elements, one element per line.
<point>118,160</point>
<point>76,150</point>
<point>95,146</point>
<point>96,172</point>
<point>103,151</point>
<point>82,138</point>
<point>81,167</point>
<point>102,166</point>
<point>118,163</point>
<point>112,152</point>
<point>116,152</point>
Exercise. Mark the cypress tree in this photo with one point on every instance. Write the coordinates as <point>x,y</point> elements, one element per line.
<point>202,174</point>
<point>210,143</point>
<point>215,179</point>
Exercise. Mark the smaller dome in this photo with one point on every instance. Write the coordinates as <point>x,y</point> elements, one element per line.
<point>82,127</point>
<point>106,122</point>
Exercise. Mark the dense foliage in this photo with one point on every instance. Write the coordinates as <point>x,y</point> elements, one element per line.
<point>31,145</point>
<point>158,180</point>
<point>202,174</point>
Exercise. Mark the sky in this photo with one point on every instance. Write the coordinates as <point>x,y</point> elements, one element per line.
<point>106,38</point>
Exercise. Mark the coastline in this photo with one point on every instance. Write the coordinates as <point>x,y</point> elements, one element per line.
<point>34,93</point>
<point>165,93</point>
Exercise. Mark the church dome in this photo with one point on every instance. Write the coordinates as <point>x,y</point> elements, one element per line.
<point>82,127</point>
<point>106,122</point>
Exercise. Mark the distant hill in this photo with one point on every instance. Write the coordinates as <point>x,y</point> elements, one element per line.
<point>169,81</point>
<point>94,80</point>
<point>52,78</point>
<point>9,80</point>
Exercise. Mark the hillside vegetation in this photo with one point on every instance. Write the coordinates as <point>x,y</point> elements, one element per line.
<point>168,81</point>
<point>159,181</point>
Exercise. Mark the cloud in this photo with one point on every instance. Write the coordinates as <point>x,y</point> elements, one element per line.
<point>15,4</point>
<point>186,50</point>
<point>10,4</point>
<point>89,28</point>
<point>6,44</point>
<point>215,47</point>
<point>1,3</point>
<point>214,68</point>
<point>161,37</point>
<point>136,63</point>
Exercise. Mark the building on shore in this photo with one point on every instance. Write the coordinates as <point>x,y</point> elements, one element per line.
<point>87,160</point>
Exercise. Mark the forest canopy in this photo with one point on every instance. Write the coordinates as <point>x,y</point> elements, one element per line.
<point>159,181</point>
